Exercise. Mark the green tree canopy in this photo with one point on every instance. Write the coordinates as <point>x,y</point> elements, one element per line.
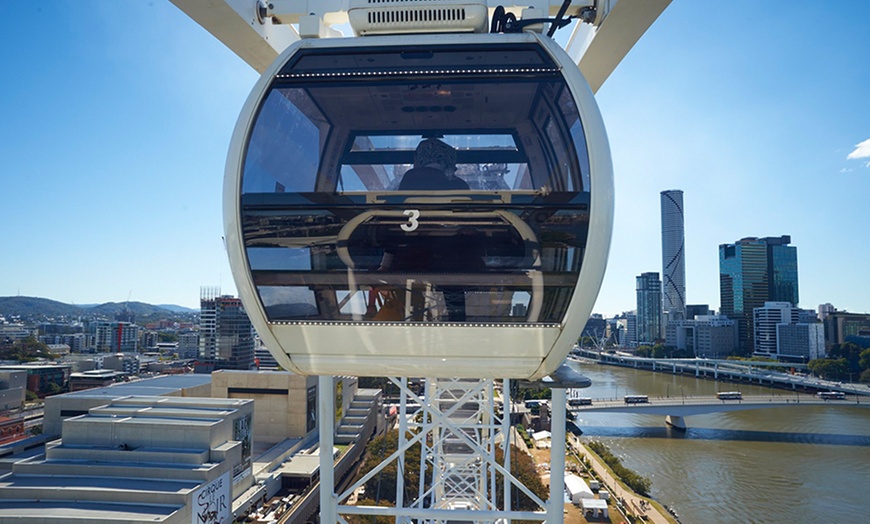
<point>382,486</point>
<point>850,352</point>
<point>26,350</point>
<point>829,368</point>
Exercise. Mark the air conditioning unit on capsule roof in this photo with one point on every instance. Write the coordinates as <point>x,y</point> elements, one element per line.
<point>391,17</point>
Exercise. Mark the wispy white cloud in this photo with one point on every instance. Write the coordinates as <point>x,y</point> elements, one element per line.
<point>862,150</point>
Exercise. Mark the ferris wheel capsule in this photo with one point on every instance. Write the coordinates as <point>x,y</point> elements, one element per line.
<point>420,205</point>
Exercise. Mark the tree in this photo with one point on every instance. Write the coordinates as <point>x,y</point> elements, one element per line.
<point>165,336</point>
<point>829,368</point>
<point>848,351</point>
<point>523,469</point>
<point>382,486</point>
<point>638,483</point>
<point>864,359</point>
<point>865,375</point>
<point>26,350</point>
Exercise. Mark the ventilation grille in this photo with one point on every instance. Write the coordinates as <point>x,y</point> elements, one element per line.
<point>415,15</point>
<point>369,17</point>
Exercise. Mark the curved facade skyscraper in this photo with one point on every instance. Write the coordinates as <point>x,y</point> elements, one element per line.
<point>673,255</point>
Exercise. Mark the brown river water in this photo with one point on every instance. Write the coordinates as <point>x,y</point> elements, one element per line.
<point>787,464</point>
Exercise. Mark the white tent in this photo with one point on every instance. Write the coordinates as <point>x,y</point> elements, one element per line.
<point>540,435</point>
<point>577,488</point>
<point>595,505</point>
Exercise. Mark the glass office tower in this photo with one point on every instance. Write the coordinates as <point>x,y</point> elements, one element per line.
<point>753,271</point>
<point>649,308</point>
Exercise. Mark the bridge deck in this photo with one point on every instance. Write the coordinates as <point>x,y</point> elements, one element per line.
<point>685,406</point>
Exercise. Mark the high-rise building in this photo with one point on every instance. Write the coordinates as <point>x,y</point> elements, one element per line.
<point>753,271</point>
<point>785,332</point>
<point>673,255</point>
<point>226,339</point>
<point>765,320</point>
<point>116,337</point>
<point>630,329</point>
<point>649,308</point>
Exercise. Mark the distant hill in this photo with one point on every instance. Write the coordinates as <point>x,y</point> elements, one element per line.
<point>35,309</point>
<point>29,306</point>
<point>177,309</point>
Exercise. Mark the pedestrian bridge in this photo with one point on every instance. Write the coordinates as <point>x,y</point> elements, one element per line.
<point>676,409</point>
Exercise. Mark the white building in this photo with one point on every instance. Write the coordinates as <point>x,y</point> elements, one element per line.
<point>802,336</point>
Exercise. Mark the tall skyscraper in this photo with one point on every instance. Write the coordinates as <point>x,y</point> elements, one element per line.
<point>753,271</point>
<point>649,308</point>
<point>226,338</point>
<point>673,255</point>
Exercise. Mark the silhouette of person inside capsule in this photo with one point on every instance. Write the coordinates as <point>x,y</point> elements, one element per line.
<point>434,170</point>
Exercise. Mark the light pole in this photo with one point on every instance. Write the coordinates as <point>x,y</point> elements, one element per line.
<point>683,394</point>
<point>668,391</point>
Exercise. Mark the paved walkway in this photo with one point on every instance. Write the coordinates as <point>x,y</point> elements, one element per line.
<point>635,504</point>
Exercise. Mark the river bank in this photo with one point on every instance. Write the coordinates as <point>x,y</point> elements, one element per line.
<point>625,505</point>
<point>785,464</point>
<point>643,508</point>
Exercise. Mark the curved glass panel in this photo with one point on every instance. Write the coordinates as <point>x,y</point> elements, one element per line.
<point>430,185</point>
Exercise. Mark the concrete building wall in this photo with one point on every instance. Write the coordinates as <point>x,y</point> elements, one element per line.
<point>280,400</point>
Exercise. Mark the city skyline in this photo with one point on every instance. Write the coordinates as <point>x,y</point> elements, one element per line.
<point>116,173</point>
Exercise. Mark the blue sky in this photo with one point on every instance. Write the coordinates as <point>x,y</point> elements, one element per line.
<point>116,118</point>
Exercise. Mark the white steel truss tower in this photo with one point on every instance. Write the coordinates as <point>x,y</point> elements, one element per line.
<point>459,427</point>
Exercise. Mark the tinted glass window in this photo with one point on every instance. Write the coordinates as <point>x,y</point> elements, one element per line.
<point>284,149</point>
<point>347,217</point>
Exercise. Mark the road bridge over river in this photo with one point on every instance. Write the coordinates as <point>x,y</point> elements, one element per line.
<point>751,372</point>
<point>676,409</point>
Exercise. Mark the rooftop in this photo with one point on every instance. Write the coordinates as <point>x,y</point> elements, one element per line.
<point>157,386</point>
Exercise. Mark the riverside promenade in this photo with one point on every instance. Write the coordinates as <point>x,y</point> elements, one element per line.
<point>633,503</point>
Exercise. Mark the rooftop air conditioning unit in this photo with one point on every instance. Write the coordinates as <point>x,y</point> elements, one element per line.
<point>387,17</point>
